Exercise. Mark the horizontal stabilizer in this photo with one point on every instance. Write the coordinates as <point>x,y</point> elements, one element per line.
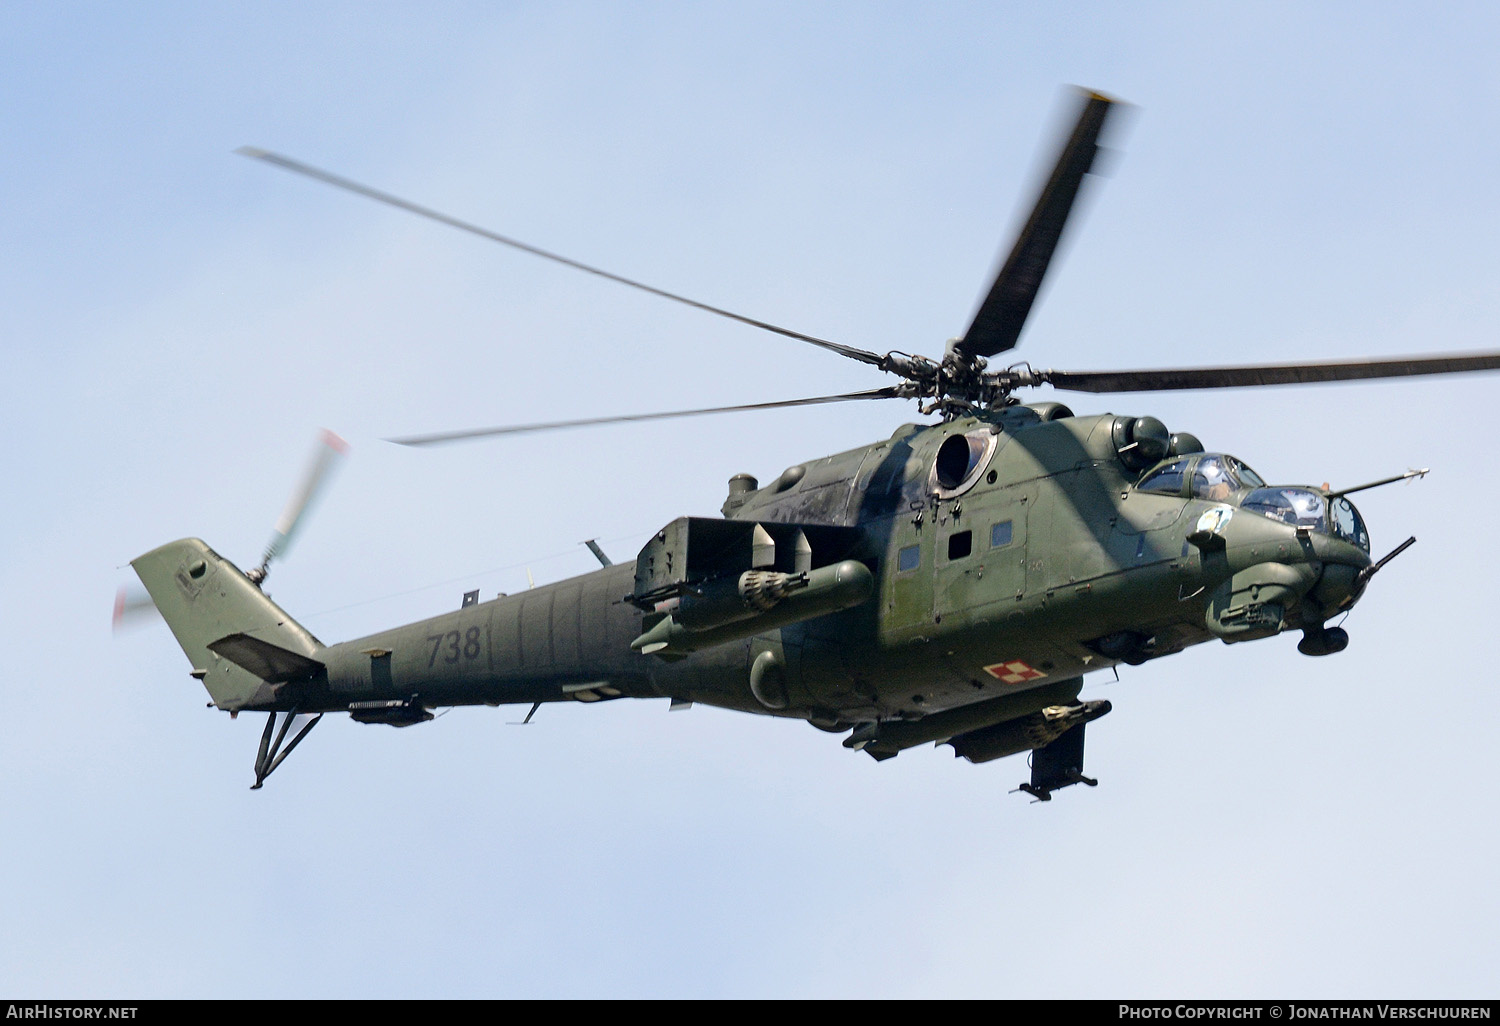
<point>271,663</point>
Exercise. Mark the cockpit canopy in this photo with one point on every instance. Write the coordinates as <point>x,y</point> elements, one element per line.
<point>1303,507</point>
<point>1208,475</point>
<point>1222,478</point>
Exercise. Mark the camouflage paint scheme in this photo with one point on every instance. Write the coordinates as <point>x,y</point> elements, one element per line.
<point>972,626</point>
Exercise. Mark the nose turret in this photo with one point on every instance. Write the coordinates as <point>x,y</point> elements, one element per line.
<point>1296,557</point>
<point>1340,585</point>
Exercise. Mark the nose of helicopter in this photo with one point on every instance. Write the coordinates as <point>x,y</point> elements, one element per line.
<point>1300,561</point>
<point>1331,537</point>
<point>1346,569</point>
<point>1340,584</point>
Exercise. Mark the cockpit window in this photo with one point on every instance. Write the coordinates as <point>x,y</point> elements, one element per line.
<point>1213,479</point>
<point>1165,480</point>
<point>1217,476</point>
<point>1248,477</point>
<point>1296,506</point>
<point>1214,476</point>
<point>1348,524</point>
<point>1302,507</point>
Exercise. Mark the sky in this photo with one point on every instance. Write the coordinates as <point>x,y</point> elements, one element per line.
<point>1291,182</point>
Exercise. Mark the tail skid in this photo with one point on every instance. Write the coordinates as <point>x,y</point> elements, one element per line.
<point>270,756</point>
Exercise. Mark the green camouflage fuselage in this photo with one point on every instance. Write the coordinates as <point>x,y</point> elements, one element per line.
<point>1040,565</point>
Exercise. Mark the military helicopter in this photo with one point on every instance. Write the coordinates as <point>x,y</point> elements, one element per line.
<point>951,584</point>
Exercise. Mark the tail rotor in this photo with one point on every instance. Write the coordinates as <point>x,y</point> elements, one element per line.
<point>326,457</point>
<point>134,606</point>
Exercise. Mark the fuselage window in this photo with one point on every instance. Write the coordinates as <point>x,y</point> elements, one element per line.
<point>909,558</point>
<point>1000,535</point>
<point>960,544</point>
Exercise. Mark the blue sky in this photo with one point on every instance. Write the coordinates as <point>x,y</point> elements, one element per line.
<point>1291,183</point>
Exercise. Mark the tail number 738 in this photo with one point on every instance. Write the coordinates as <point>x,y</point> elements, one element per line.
<point>454,645</point>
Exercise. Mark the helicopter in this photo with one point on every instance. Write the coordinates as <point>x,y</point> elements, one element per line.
<point>952,584</point>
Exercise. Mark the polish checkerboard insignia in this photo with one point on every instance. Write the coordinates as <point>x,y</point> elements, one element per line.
<point>1013,672</point>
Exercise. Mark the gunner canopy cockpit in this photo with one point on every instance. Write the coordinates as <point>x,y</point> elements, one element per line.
<point>1303,507</point>
<point>1221,478</point>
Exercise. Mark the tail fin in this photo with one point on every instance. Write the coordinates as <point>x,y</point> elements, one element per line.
<point>239,642</point>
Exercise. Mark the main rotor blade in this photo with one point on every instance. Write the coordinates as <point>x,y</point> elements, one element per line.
<point>1002,315</point>
<point>892,392</point>
<point>1266,374</point>
<point>288,164</point>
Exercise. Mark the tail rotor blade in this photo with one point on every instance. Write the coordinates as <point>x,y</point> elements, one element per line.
<point>132,607</point>
<point>331,449</point>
